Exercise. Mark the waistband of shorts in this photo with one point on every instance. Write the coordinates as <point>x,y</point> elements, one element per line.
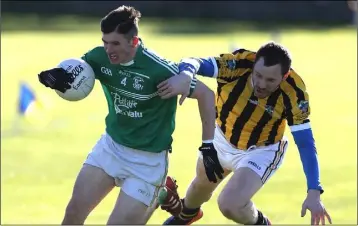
<point>108,136</point>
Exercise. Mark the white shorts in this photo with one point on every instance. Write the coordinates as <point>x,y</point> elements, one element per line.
<point>139,174</point>
<point>263,160</point>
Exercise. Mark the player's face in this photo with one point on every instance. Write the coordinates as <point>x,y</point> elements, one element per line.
<point>265,79</point>
<point>118,48</point>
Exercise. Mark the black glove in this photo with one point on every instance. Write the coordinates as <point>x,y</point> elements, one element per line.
<point>57,78</point>
<point>211,162</point>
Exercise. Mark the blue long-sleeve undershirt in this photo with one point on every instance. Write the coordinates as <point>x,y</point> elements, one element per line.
<point>307,149</point>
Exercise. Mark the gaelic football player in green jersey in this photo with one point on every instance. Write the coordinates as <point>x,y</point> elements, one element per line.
<point>133,151</point>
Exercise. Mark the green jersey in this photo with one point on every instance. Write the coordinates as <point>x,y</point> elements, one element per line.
<point>138,118</point>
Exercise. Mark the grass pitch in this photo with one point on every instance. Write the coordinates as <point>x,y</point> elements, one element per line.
<point>39,164</point>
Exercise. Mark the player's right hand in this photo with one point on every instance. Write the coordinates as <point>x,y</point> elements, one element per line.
<point>175,85</point>
<point>56,78</point>
<point>213,168</point>
<point>314,204</point>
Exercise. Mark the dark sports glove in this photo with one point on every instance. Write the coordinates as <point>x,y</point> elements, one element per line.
<point>211,162</point>
<point>56,78</point>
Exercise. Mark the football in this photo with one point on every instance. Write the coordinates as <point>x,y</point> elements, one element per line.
<point>84,79</point>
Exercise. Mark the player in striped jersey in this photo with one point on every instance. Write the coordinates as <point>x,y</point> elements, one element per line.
<point>256,94</point>
<point>133,151</point>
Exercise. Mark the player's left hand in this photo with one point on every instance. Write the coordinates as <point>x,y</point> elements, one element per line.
<point>178,84</point>
<point>314,204</point>
<point>213,168</point>
<point>56,78</point>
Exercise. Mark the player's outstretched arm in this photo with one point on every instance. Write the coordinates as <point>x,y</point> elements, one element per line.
<point>225,68</point>
<point>304,140</point>
<point>188,68</point>
<point>206,103</point>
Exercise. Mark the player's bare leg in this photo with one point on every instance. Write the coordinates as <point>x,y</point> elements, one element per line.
<point>91,186</point>
<point>235,199</point>
<point>128,210</point>
<point>201,189</point>
<point>199,192</point>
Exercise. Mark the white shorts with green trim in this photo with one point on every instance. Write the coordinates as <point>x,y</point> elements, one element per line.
<point>139,173</point>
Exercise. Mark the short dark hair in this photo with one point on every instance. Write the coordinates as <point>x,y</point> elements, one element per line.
<point>123,20</point>
<point>274,53</point>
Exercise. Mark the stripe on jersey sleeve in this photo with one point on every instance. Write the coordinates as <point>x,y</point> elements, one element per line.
<point>173,68</point>
<point>299,127</point>
<point>216,69</point>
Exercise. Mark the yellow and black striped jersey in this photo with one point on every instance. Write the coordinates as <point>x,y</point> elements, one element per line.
<point>243,118</point>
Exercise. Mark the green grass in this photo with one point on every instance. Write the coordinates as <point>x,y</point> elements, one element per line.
<point>39,166</point>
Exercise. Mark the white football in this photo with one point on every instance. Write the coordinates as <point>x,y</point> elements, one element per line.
<point>84,79</point>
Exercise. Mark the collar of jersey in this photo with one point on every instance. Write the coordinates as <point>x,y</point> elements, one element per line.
<point>128,63</point>
<point>132,61</point>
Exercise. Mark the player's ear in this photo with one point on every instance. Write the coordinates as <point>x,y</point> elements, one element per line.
<point>135,41</point>
<point>286,75</point>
